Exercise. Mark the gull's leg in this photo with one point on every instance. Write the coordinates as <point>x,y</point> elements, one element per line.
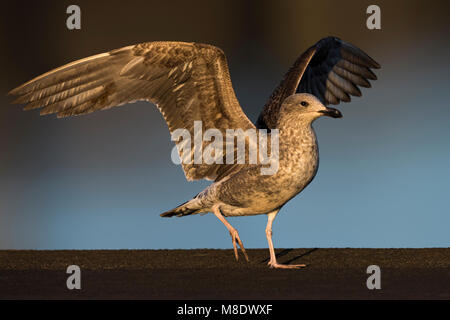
<point>233,232</point>
<point>273,259</point>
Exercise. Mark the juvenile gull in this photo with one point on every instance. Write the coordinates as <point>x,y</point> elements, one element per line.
<point>191,82</point>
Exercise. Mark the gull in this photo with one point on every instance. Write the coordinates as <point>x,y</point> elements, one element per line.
<point>191,82</point>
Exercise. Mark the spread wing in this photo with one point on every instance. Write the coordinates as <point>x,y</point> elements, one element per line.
<point>187,82</point>
<point>331,70</point>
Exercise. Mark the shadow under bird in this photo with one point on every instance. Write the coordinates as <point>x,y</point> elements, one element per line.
<point>191,82</point>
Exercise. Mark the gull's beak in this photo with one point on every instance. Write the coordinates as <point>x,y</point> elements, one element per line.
<point>331,112</point>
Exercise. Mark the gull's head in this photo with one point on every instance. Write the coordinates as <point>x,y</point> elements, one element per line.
<point>307,107</point>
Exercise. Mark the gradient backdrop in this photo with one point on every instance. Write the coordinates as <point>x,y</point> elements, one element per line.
<point>100,181</point>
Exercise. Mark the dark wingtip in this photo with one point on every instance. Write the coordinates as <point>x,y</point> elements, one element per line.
<point>350,48</point>
<point>372,63</point>
<point>376,65</point>
<point>370,75</point>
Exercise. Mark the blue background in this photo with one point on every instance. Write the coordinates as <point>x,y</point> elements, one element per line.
<point>100,181</point>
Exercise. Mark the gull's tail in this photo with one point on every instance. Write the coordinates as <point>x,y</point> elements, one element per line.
<point>192,206</point>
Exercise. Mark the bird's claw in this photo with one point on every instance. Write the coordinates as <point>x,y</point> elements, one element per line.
<point>235,236</point>
<point>275,265</point>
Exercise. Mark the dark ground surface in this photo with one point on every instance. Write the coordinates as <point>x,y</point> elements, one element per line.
<point>214,274</point>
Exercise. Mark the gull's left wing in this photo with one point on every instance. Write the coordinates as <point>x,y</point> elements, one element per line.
<point>331,70</point>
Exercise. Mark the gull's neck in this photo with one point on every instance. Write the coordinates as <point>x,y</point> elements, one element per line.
<point>298,143</point>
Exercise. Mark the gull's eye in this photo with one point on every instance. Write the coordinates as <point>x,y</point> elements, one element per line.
<point>304,103</point>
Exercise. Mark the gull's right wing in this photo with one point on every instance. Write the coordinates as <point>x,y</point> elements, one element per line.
<point>187,81</point>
